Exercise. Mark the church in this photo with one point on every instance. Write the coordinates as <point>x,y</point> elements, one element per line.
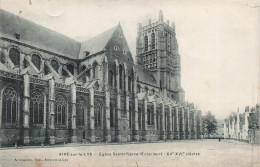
<point>55,89</point>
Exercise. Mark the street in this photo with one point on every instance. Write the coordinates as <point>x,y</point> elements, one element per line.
<point>204,153</point>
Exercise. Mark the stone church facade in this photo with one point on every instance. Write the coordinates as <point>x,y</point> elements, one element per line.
<point>55,89</point>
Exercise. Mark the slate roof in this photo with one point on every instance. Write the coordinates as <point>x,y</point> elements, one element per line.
<point>145,76</point>
<point>97,43</point>
<point>37,35</point>
<point>46,39</point>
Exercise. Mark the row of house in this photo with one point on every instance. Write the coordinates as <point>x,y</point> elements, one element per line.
<point>243,126</point>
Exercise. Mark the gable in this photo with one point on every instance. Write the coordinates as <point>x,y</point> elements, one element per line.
<point>122,52</point>
<point>96,44</point>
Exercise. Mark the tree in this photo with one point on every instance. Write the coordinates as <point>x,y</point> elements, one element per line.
<point>209,123</point>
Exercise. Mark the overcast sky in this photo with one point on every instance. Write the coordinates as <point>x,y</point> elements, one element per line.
<point>218,40</point>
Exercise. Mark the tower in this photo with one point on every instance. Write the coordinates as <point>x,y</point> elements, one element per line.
<point>157,51</point>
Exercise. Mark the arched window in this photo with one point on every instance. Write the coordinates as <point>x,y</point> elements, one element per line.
<point>80,104</point>
<point>140,117</point>
<point>131,116</point>
<point>166,39</point>
<point>2,57</point>
<point>98,113</point>
<point>149,116</point>
<point>111,115</point>
<point>166,118</point>
<point>55,65</point>
<point>121,77</point>
<point>60,110</point>
<point>36,108</point>
<point>95,70</point>
<point>146,43</point>
<point>152,115</point>
<point>103,71</point>
<point>36,60</point>
<point>153,41</point>
<point>70,68</point>
<point>129,84</point>
<point>14,55</point>
<point>111,78</point>
<point>9,106</point>
<point>157,117</point>
<point>172,119</point>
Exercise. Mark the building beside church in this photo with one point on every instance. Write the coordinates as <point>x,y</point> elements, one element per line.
<point>55,89</point>
<point>243,126</point>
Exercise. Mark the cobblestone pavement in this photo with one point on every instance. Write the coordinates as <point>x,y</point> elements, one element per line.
<point>205,153</point>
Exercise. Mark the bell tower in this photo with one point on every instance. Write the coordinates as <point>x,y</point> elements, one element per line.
<point>157,51</point>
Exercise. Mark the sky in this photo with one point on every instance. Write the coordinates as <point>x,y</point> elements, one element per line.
<point>218,40</point>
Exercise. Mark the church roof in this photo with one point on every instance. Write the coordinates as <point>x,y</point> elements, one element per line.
<point>97,43</point>
<point>37,35</point>
<point>145,76</point>
<point>49,40</point>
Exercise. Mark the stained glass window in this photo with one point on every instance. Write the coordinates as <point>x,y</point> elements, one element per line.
<point>9,106</point>
<point>60,110</point>
<point>121,77</point>
<point>129,84</point>
<point>55,65</point>
<point>149,116</point>
<point>140,118</point>
<point>80,104</point>
<point>153,41</point>
<point>98,113</point>
<point>36,108</point>
<point>95,70</point>
<point>146,43</point>
<point>111,78</point>
<point>36,60</point>
<point>111,115</point>
<point>14,55</point>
